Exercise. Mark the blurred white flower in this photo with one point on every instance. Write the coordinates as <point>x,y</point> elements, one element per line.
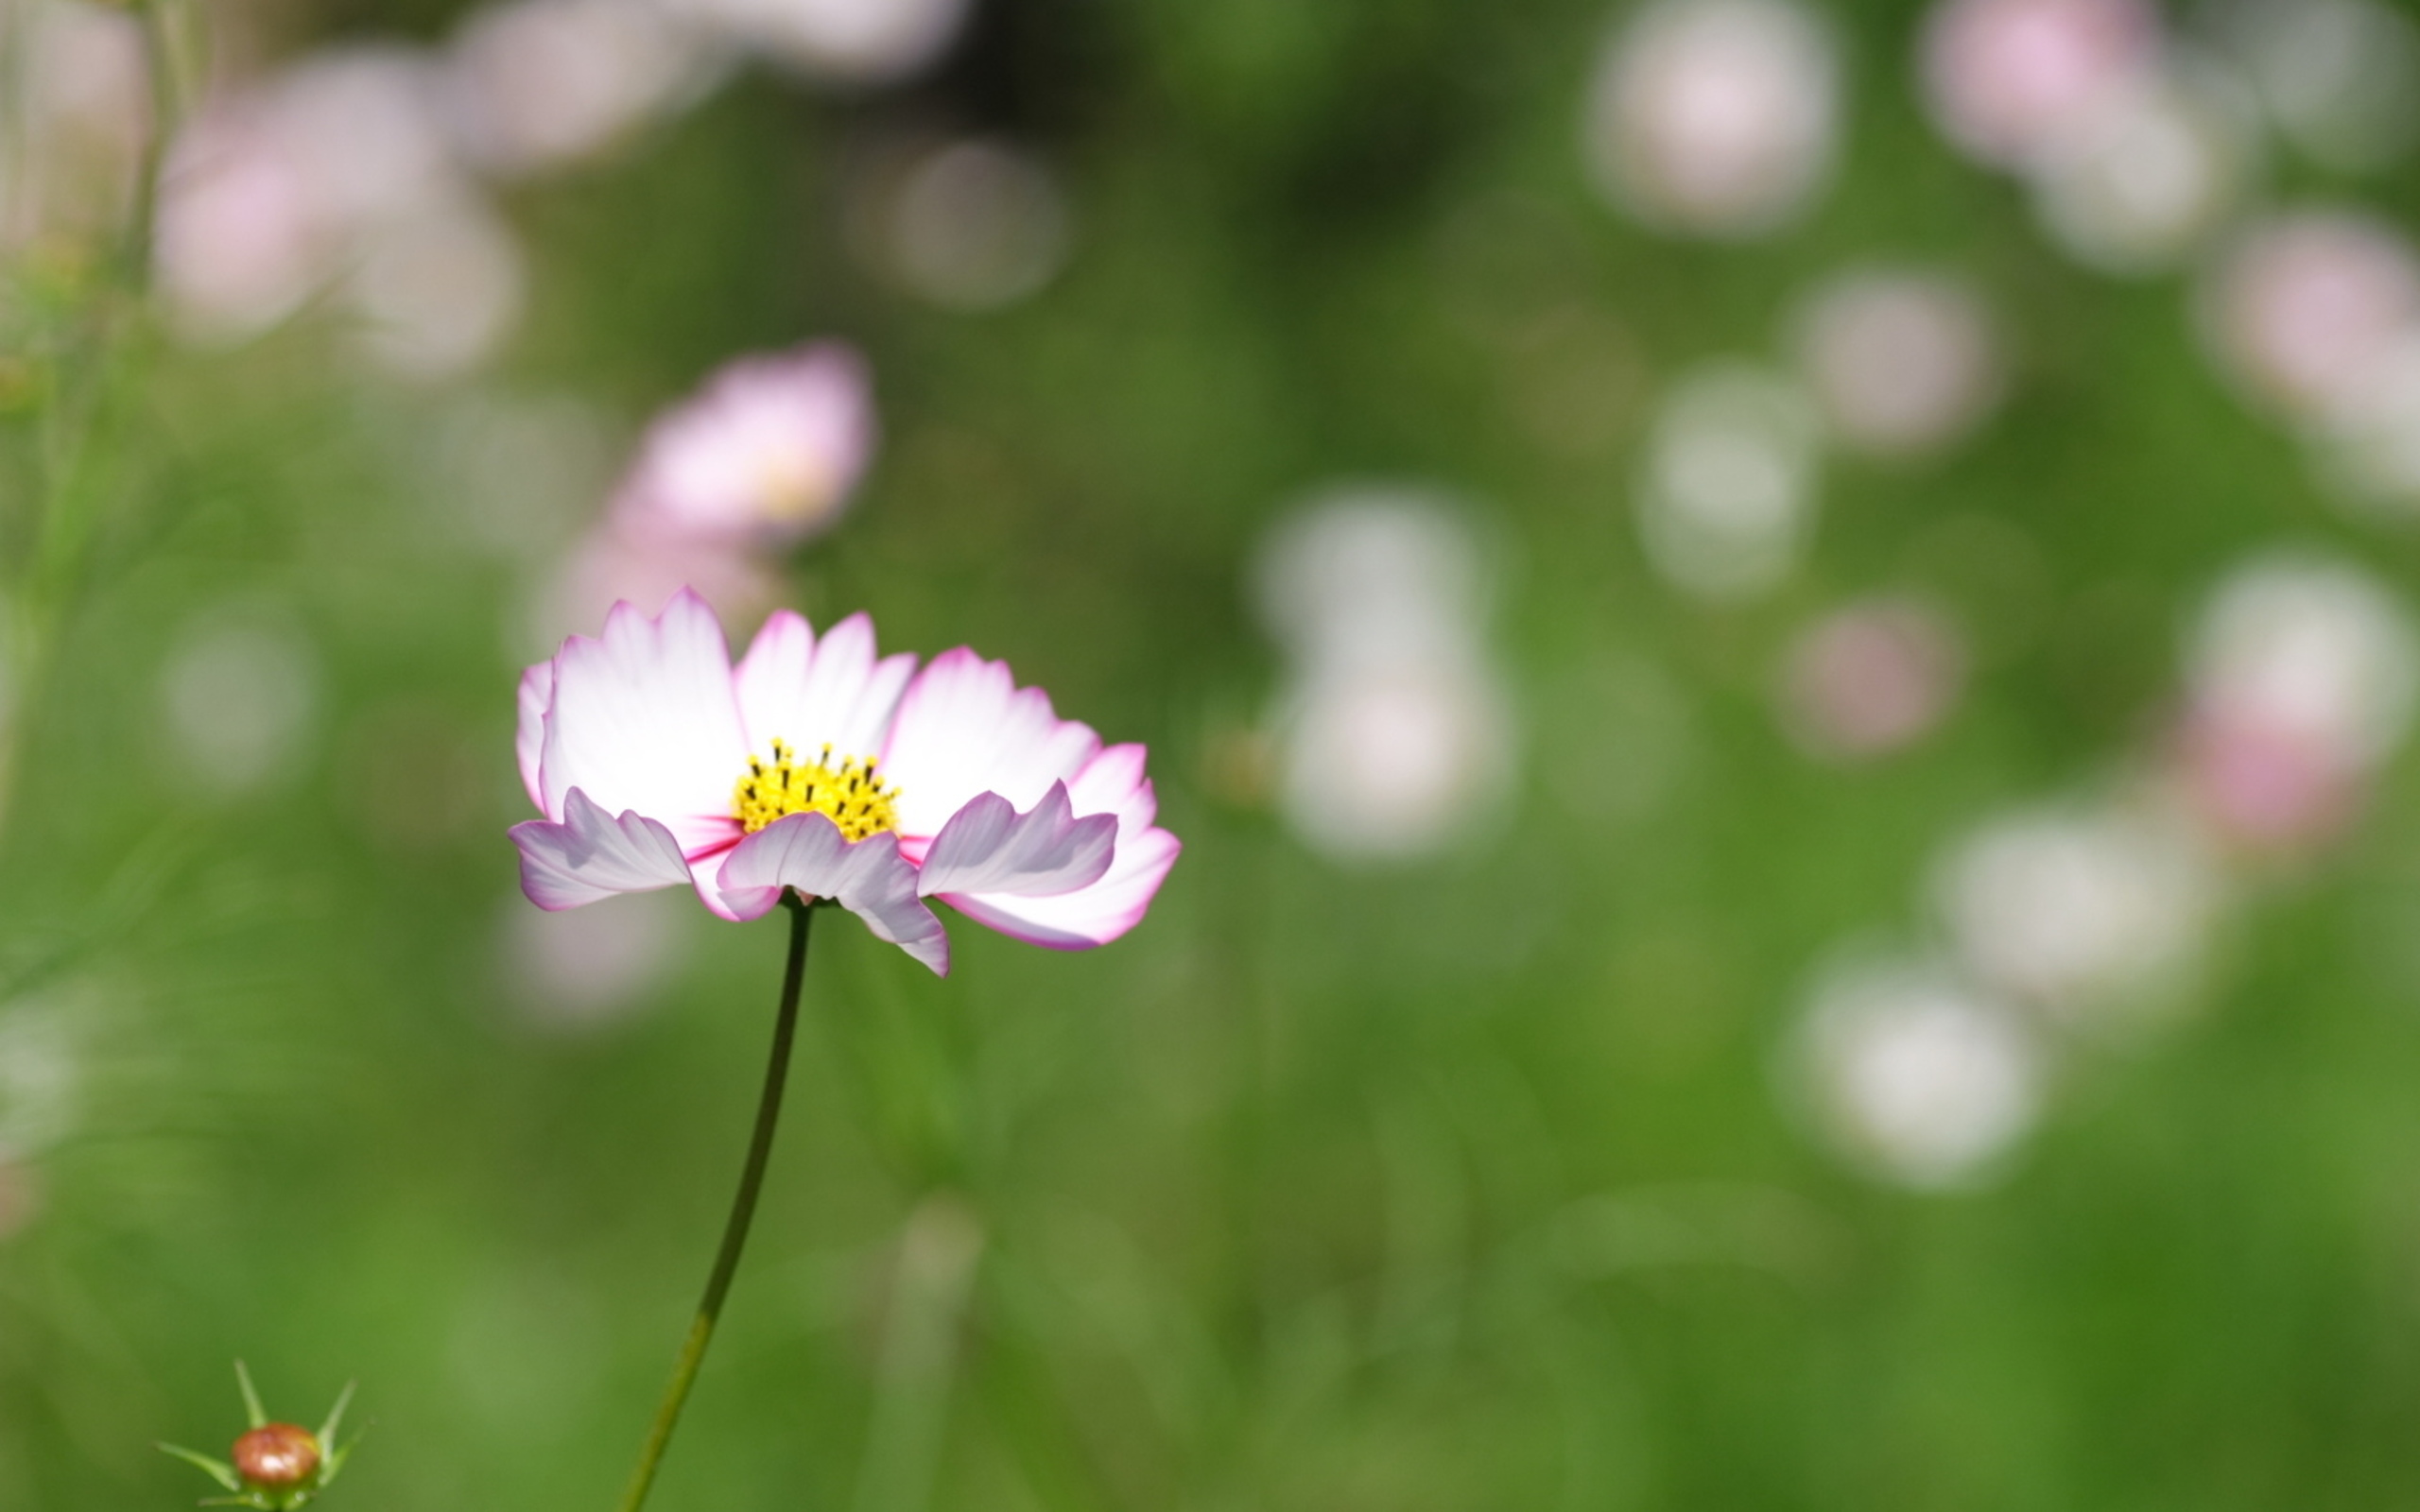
<point>2368,435</point>
<point>2341,77</point>
<point>2006,78</point>
<point>367,124</point>
<point>583,968</point>
<point>2316,648</point>
<point>765,454</point>
<point>1916,1074</point>
<point>2080,908</point>
<point>1871,679</point>
<point>240,691</point>
<point>439,293</point>
<point>534,84</point>
<point>856,41</point>
<point>1389,764</point>
<point>2304,306</point>
<point>1727,495</point>
<point>1715,117</point>
<point>1395,738</point>
<point>73,116</point>
<point>1900,361</point>
<point>2145,175</point>
<point>973,223</point>
<point>1370,576</point>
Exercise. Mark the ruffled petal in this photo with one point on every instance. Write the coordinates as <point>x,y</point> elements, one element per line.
<point>1114,782</point>
<point>868,878</point>
<point>529,737</point>
<point>592,854</point>
<point>965,727</point>
<point>811,693</point>
<point>644,718</point>
<point>989,847</point>
<point>1089,917</point>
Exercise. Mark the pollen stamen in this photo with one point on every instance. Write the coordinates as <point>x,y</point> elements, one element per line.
<point>851,794</point>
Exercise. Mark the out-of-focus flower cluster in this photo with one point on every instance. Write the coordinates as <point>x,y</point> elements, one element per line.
<point>1395,737</point>
<point>2097,913</point>
<point>361,179</point>
<point>2142,147</point>
<point>1895,364</point>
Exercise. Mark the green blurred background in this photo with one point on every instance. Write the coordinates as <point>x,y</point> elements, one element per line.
<point>1465,1182</point>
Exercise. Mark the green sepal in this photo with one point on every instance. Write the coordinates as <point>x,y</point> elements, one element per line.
<point>336,1419</point>
<point>252,1408</point>
<point>223,1473</point>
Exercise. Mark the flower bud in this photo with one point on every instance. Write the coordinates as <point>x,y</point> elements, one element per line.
<point>277,1455</point>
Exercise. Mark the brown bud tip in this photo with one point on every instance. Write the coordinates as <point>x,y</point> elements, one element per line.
<point>277,1454</point>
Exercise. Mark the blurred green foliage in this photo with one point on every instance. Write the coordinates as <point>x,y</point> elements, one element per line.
<point>1461,1186</point>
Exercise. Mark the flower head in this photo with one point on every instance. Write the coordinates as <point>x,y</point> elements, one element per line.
<point>765,454</point>
<point>277,1454</point>
<point>274,1467</point>
<point>816,767</point>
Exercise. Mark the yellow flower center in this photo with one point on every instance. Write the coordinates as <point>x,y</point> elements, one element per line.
<point>852,795</point>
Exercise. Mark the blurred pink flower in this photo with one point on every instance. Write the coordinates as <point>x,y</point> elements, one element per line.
<point>337,177</point>
<point>766,453</point>
<point>1902,361</point>
<point>243,237</point>
<point>815,767</point>
<point>2007,78</point>
<point>2305,305</point>
<point>2264,785</point>
<point>2301,680</point>
<point>1871,679</point>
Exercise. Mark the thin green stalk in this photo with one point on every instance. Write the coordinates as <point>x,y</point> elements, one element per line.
<point>743,1209</point>
<point>84,413</point>
<point>164,65</point>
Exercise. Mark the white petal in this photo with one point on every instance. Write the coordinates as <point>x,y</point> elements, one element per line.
<point>1089,916</point>
<point>645,718</point>
<point>1112,781</point>
<point>868,878</point>
<point>989,847</point>
<point>593,854</point>
<point>812,695</point>
<point>529,737</point>
<point>965,727</point>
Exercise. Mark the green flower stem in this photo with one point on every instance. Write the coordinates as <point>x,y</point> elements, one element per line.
<point>743,1209</point>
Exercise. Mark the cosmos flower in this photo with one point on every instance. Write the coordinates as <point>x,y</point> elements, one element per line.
<point>763,455</point>
<point>816,765</point>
